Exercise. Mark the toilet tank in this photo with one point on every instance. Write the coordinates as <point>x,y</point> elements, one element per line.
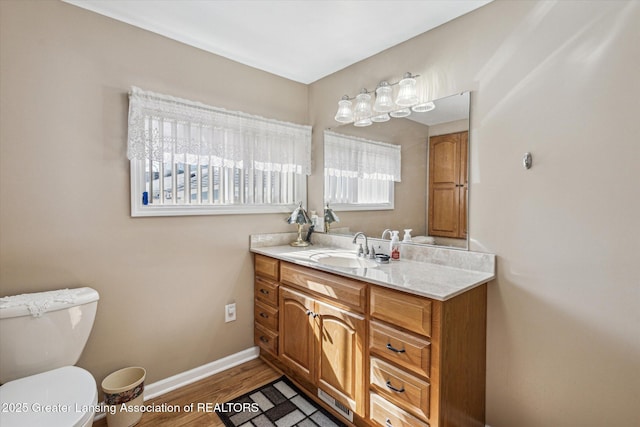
<point>44,330</point>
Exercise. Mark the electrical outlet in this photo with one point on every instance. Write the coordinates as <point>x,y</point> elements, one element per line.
<point>230,312</point>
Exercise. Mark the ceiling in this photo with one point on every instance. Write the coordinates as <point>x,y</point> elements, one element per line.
<point>301,40</point>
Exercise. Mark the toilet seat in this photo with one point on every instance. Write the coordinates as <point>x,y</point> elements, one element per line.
<point>63,397</point>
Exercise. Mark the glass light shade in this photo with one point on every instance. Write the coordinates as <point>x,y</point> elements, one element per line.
<point>381,118</point>
<point>407,95</point>
<point>362,111</point>
<point>344,114</point>
<point>400,113</point>
<point>384,102</point>
<point>423,107</point>
<point>363,122</point>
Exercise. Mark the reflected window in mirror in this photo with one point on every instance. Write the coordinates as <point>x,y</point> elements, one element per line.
<point>359,174</point>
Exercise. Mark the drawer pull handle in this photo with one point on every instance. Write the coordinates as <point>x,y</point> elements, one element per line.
<point>390,347</point>
<point>264,291</point>
<point>397,390</point>
<point>265,315</point>
<point>264,339</point>
<point>311,313</point>
<point>388,423</point>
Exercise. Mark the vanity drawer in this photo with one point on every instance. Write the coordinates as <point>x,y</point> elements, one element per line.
<point>265,315</point>
<point>408,351</point>
<point>410,312</point>
<point>266,267</point>
<point>400,387</point>
<point>266,291</point>
<point>347,292</point>
<point>386,414</point>
<point>266,339</point>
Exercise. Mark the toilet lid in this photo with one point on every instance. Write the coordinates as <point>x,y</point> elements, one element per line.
<point>62,397</point>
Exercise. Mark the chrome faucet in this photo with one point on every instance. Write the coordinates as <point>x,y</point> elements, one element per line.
<point>361,251</point>
<point>385,232</point>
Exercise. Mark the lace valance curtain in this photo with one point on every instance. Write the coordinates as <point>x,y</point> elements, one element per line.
<point>350,157</point>
<point>173,130</point>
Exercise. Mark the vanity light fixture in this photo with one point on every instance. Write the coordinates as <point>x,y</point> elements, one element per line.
<point>362,111</point>
<point>407,95</point>
<point>384,107</point>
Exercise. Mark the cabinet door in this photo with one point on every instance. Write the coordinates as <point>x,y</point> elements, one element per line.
<point>341,355</point>
<point>297,339</point>
<point>448,173</point>
<point>443,185</point>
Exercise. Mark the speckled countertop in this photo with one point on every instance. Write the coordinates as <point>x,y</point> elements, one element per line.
<point>419,277</point>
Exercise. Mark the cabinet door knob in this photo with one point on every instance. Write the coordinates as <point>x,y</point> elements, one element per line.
<point>309,312</point>
<point>390,347</point>
<point>388,422</point>
<point>265,315</point>
<point>264,291</point>
<point>264,339</point>
<point>397,390</point>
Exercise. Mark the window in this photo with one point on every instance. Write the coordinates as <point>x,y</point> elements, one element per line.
<point>188,158</point>
<point>359,173</point>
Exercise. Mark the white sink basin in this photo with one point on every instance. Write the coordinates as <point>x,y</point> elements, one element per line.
<point>343,259</point>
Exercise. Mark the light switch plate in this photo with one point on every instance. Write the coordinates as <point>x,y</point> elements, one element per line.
<point>230,312</point>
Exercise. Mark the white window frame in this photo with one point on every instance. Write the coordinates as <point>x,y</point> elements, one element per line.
<point>392,170</point>
<point>145,147</point>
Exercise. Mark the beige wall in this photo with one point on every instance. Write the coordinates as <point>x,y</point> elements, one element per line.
<point>558,79</point>
<point>64,187</point>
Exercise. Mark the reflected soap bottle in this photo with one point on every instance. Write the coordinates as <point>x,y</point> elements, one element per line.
<point>394,246</point>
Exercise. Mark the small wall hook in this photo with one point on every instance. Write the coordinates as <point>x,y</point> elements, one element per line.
<point>527,161</point>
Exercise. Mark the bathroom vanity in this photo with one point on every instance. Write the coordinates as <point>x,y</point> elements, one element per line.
<point>401,344</point>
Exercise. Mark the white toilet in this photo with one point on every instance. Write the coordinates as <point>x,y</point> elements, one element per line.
<point>42,336</point>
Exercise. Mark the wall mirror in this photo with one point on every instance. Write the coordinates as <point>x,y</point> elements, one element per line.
<point>431,198</point>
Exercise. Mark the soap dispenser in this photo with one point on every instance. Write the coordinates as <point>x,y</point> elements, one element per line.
<point>407,235</point>
<point>394,246</point>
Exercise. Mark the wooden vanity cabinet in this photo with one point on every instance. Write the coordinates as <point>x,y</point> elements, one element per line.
<point>394,359</point>
<point>432,366</point>
<point>321,339</point>
<point>265,308</point>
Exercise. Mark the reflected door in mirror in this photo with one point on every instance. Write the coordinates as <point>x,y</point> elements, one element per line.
<point>448,184</point>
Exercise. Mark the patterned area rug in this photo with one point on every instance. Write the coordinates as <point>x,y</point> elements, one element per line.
<point>278,404</point>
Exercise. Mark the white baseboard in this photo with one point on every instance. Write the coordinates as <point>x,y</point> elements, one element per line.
<point>166,385</point>
<point>196,374</point>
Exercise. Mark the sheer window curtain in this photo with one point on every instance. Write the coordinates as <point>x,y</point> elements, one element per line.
<point>359,171</point>
<point>164,128</point>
